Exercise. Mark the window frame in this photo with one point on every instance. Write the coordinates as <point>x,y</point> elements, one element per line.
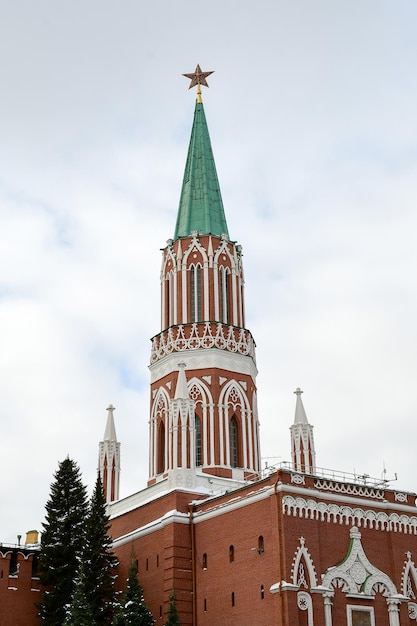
<point>196,293</point>
<point>352,608</point>
<point>234,442</point>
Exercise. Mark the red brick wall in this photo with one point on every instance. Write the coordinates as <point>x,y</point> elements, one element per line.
<point>19,593</point>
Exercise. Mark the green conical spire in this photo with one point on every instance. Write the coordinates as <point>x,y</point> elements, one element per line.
<point>201,206</point>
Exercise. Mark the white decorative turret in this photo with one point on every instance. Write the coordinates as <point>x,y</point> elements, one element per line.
<point>109,459</point>
<point>302,440</point>
<point>181,426</point>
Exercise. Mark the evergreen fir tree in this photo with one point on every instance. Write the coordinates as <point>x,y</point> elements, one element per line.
<point>173,619</point>
<point>62,542</point>
<point>99,562</point>
<point>133,610</point>
<point>79,611</point>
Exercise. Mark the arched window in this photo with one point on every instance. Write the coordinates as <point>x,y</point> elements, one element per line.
<point>171,302</point>
<point>198,458</point>
<point>233,443</point>
<point>196,293</point>
<point>224,295</point>
<point>261,547</point>
<point>161,449</point>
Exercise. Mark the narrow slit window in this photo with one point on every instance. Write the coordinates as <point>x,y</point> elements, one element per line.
<point>261,546</point>
<point>231,553</point>
<point>233,443</point>
<point>224,295</point>
<point>198,460</point>
<point>161,449</point>
<point>170,299</point>
<point>196,293</point>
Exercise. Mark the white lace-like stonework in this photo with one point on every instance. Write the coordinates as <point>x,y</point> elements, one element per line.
<point>298,479</point>
<point>356,574</point>
<point>412,610</point>
<point>333,513</point>
<point>355,490</point>
<point>409,585</point>
<point>302,561</point>
<point>204,335</point>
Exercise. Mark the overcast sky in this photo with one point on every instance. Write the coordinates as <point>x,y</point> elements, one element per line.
<point>312,116</point>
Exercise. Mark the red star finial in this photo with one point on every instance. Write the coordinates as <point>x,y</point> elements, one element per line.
<point>198,77</point>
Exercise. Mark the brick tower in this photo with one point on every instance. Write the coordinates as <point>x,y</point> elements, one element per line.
<point>203,416</point>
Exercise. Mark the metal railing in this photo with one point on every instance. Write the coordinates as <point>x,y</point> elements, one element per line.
<point>365,480</point>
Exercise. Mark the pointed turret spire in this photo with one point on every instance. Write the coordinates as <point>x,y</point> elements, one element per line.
<point>110,432</point>
<point>300,414</point>
<point>109,459</point>
<point>302,441</point>
<point>201,206</point>
<point>181,391</point>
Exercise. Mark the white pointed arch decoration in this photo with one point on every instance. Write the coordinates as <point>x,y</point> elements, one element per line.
<point>234,394</point>
<point>159,418</point>
<point>358,574</point>
<point>303,571</point>
<point>409,586</point>
<point>303,575</point>
<point>224,249</point>
<point>409,576</point>
<point>234,403</point>
<point>160,404</point>
<point>202,397</point>
<point>195,247</point>
<point>199,391</point>
<point>169,259</point>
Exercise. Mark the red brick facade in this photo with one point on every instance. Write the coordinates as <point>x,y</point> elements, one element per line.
<point>19,585</point>
<point>265,554</point>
